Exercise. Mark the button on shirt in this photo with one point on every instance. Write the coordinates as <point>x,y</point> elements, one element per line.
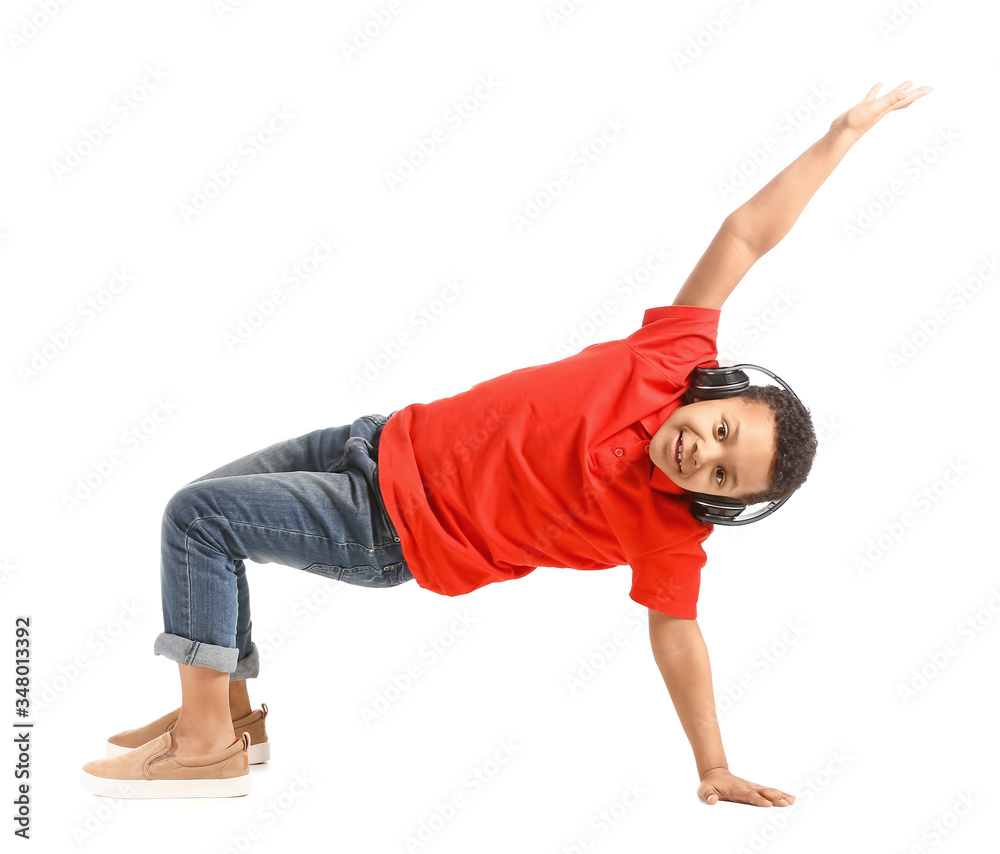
<point>549,466</point>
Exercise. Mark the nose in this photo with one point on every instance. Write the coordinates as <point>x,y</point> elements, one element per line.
<point>706,454</point>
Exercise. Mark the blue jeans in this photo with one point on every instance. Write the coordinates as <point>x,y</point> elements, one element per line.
<point>311,503</point>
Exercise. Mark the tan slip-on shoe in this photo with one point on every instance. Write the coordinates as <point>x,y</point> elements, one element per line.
<point>260,748</point>
<point>152,771</point>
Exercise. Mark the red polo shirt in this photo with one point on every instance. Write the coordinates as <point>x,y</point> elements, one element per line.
<point>549,466</point>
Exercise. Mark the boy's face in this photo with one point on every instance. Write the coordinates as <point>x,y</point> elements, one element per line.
<point>726,447</point>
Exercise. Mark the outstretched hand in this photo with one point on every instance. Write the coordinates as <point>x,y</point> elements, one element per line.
<point>719,785</point>
<point>862,117</point>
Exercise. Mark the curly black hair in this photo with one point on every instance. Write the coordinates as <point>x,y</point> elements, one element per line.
<point>795,439</point>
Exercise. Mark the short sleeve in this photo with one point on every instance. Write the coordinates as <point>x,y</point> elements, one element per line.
<point>669,580</point>
<point>677,338</point>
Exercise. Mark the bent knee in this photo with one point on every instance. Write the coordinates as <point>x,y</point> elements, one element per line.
<point>191,502</point>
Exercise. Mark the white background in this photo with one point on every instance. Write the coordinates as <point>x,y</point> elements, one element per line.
<point>826,718</point>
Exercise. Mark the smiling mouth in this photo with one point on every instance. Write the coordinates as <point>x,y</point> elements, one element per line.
<point>677,444</point>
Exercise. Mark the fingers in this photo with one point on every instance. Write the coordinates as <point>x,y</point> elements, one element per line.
<point>899,95</point>
<point>903,100</point>
<point>898,98</point>
<point>889,99</point>
<point>910,97</point>
<point>776,796</point>
<point>758,796</point>
<point>758,800</point>
<point>708,793</point>
<point>762,796</point>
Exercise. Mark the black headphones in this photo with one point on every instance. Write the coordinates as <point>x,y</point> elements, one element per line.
<point>716,383</point>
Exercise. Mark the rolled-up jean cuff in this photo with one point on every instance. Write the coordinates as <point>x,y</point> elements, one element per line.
<point>248,667</point>
<point>184,651</point>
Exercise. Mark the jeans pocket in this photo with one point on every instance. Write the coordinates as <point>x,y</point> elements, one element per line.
<point>372,576</point>
<point>325,569</point>
<point>394,574</point>
<point>365,575</point>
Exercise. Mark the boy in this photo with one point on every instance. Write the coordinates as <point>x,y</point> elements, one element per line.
<point>582,463</point>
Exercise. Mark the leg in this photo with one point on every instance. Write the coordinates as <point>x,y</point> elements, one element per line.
<point>320,450</point>
<point>205,725</point>
<point>317,451</point>
<point>329,521</point>
<point>239,699</point>
<point>324,522</point>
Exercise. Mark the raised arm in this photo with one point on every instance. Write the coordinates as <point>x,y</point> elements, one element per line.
<point>682,657</point>
<point>758,225</point>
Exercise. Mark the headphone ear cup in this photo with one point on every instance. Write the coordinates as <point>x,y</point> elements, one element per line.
<point>715,509</point>
<point>716,383</point>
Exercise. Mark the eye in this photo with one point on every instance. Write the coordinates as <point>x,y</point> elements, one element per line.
<point>721,432</point>
<point>719,476</point>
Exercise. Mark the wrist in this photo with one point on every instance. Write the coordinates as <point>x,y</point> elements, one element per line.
<point>703,774</point>
<point>842,137</point>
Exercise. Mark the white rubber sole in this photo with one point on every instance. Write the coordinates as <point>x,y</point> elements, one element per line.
<point>256,755</point>
<point>232,788</point>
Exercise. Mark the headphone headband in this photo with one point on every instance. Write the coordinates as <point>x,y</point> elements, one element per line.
<point>718,383</point>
